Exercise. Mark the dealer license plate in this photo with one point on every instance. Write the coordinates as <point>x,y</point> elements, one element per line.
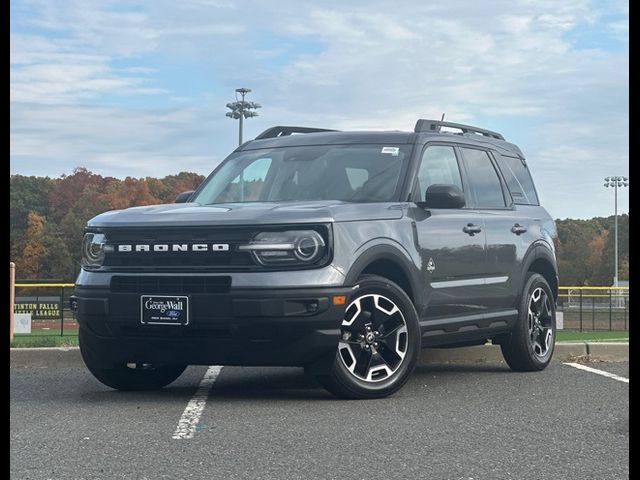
<point>164,310</point>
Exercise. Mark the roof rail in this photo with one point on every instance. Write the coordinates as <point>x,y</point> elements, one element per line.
<point>424,125</point>
<point>284,131</point>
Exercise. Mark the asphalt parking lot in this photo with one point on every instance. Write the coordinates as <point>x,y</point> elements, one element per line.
<point>449,422</point>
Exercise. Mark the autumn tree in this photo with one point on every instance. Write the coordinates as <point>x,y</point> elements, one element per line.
<point>32,249</point>
<point>595,249</point>
<point>573,252</point>
<point>132,192</point>
<point>26,194</point>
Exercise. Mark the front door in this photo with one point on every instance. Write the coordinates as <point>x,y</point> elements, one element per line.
<point>451,242</point>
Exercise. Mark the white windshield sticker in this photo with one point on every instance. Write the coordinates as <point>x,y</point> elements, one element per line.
<point>392,150</point>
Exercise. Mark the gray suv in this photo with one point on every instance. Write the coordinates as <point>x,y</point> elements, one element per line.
<point>341,252</point>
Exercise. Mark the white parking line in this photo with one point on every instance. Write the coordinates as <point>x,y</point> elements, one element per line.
<point>579,366</point>
<point>191,415</point>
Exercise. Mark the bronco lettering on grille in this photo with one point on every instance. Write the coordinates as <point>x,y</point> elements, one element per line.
<point>174,247</point>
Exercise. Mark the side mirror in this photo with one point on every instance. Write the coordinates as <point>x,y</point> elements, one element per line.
<point>184,197</point>
<point>444,196</point>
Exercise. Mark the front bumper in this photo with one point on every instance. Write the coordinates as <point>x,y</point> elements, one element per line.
<point>278,327</point>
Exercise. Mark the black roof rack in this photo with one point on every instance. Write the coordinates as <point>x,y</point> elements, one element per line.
<point>284,131</point>
<point>424,125</point>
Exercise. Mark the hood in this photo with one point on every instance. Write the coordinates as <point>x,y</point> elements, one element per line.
<point>195,214</point>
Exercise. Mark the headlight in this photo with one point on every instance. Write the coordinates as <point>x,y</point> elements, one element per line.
<point>93,250</point>
<point>293,247</point>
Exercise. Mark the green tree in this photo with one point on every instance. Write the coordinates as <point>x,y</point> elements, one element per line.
<point>573,251</point>
<point>58,262</point>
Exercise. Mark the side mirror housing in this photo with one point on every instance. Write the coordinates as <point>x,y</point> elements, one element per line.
<point>184,197</point>
<point>444,196</point>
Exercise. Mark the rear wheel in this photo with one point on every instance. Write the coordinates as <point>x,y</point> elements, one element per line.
<point>379,343</point>
<point>530,345</point>
<point>131,376</point>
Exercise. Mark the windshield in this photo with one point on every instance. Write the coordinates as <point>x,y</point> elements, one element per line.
<point>350,173</point>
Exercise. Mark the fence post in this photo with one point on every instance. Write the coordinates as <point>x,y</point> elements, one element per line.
<point>580,309</point>
<point>625,312</point>
<point>62,312</point>
<point>610,310</point>
<point>12,292</point>
<point>593,313</point>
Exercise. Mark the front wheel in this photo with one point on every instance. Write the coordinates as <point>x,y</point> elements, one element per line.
<point>130,376</point>
<point>379,343</point>
<point>530,345</point>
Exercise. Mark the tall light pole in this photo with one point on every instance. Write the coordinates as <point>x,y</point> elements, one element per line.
<point>241,109</point>
<point>615,182</point>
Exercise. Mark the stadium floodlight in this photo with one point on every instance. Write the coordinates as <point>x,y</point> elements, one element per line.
<point>616,182</point>
<point>240,109</point>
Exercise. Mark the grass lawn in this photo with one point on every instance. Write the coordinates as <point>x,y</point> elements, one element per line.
<point>44,341</point>
<point>570,336</point>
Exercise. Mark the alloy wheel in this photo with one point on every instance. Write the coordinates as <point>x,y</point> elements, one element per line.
<point>374,338</point>
<point>540,320</point>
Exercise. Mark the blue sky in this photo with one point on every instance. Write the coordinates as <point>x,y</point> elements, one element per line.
<point>139,88</point>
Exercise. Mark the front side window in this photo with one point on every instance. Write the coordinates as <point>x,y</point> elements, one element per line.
<point>438,166</point>
<point>483,178</point>
<point>349,173</point>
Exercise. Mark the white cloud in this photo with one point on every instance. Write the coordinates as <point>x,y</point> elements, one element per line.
<point>381,65</point>
<point>619,29</point>
<point>54,139</point>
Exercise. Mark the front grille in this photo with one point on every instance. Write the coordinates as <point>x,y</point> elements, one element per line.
<point>189,259</point>
<point>170,285</point>
<point>231,259</point>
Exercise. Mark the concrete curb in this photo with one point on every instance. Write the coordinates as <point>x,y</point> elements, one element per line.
<point>46,357</point>
<point>606,351</point>
<point>492,354</point>
<point>609,351</point>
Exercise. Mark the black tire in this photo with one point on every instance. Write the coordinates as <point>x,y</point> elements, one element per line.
<point>123,377</point>
<point>345,383</point>
<point>519,348</point>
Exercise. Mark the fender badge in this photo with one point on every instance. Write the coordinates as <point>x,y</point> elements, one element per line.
<point>431,266</point>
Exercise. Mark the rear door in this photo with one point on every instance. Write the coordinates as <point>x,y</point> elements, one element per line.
<point>494,204</point>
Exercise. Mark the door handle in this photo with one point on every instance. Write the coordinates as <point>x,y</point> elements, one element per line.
<point>471,229</point>
<point>518,229</point>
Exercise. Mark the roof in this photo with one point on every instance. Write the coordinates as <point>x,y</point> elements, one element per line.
<point>331,138</point>
<point>425,130</point>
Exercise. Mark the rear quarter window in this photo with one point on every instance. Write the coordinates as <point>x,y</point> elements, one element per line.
<point>518,179</point>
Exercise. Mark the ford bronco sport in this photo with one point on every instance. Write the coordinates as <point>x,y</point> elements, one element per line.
<point>342,252</point>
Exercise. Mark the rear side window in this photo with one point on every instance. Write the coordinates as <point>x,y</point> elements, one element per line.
<point>518,180</point>
<point>483,178</point>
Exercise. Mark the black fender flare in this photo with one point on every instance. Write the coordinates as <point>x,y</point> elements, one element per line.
<point>399,256</point>
<point>537,251</point>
